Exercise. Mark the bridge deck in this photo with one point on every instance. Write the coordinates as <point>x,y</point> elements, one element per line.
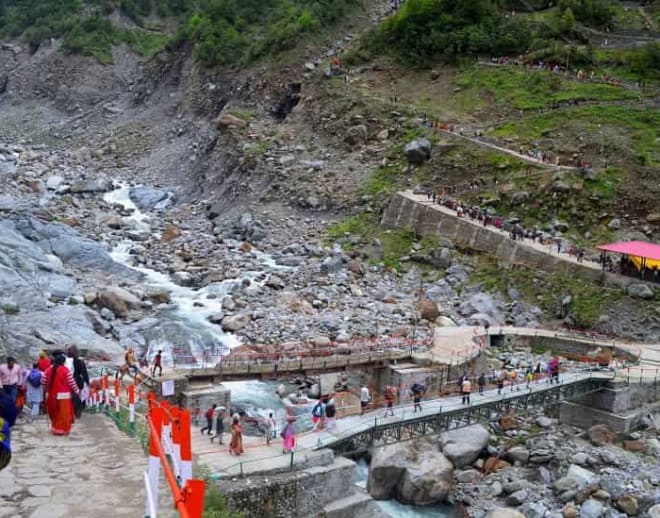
<point>261,458</point>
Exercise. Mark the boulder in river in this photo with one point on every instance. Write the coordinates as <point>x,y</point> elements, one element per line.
<point>463,446</point>
<point>118,300</point>
<point>601,434</point>
<point>413,472</point>
<point>150,198</point>
<point>235,322</point>
<point>96,185</point>
<point>504,512</point>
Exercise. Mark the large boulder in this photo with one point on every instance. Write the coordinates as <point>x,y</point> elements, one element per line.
<point>640,291</point>
<point>118,300</point>
<point>413,472</point>
<point>600,435</point>
<point>91,186</point>
<point>463,446</point>
<point>235,322</point>
<point>150,198</point>
<point>654,512</point>
<point>628,504</point>
<point>418,151</point>
<point>428,310</point>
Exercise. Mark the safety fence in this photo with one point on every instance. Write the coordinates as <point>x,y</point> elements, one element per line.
<point>308,442</point>
<point>299,350</point>
<point>164,432</point>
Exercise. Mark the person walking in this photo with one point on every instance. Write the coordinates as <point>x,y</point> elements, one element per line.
<point>80,376</point>
<point>390,394</point>
<point>59,384</point>
<point>44,361</point>
<point>331,414</point>
<point>500,384</point>
<point>219,424</point>
<point>35,392</point>
<point>270,428</point>
<point>209,420</point>
<point>318,414</point>
<point>10,377</point>
<point>8,415</point>
<point>481,382</point>
<point>465,390</point>
<point>158,364</point>
<point>365,397</point>
<point>289,436</point>
<point>236,443</point>
<point>417,391</point>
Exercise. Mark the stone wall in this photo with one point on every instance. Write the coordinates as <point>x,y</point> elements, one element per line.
<point>290,495</point>
<point>403,212</point>
<point>617,405</point>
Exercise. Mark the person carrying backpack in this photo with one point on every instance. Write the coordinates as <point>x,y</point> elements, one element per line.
<point>209,420</point>
<point>417,391</point>
<point>158,364</point>
<point>389,398</point>
<point>318,414</point>
<point>481,382</point>
<point>35,393</point>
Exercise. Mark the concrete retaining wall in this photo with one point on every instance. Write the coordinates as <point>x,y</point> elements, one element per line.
<point>403,212</point>
<point>291,495</point>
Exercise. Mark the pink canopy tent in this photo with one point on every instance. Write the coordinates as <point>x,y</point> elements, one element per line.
<point>643,254</point>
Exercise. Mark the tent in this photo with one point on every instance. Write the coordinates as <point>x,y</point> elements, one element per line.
<point>642,254</point>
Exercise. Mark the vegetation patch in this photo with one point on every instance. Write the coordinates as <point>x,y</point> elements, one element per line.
<point>523,89</point>
<point>641,125</point>
<point>546,290</point>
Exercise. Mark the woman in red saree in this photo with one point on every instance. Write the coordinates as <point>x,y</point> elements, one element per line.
<point>59,384</point>
<point>236,444</point>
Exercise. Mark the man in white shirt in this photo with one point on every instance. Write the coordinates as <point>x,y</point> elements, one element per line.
<point>364,398</point>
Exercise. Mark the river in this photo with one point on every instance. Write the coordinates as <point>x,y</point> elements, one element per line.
<point>191,308</point>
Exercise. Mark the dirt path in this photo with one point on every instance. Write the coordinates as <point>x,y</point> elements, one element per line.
<point>97,470</point>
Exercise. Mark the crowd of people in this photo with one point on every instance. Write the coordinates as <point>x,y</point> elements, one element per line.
<point>517,232</point>
<point>556,68</point>
<point>56,385</point>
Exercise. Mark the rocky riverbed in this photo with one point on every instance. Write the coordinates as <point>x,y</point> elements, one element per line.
<point>525,467</point>
<point>89,258</point>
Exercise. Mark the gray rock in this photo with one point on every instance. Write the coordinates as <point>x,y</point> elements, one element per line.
<point>583,477</point>
<point>614,224</point>
<point>332,264</point>
<point>519,497</point>
<point>418,151</point>
<point>118,300</point>
<point>544,422</point>
<point>149,198</point>
<point>533,510</point>
<point>467,476</point>
<point>9,306</point>
<point>54,182</point>
<point>357,134</point>
<point>463,446</point>
<point>654,512</point>
<point>96,185</point>
<point>519,197</point>
<point>564,484</point>
<point>413,472</point>
<point>504,512</point>
<point>580,458</point>
<point>640,291</point>
<point>517,454</point>
<point>591,509</point>
<point>9,203</point>
<point>235,322</point>
<point>560,187</point>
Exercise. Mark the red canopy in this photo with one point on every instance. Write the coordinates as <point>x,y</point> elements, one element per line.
<point>637,248</point>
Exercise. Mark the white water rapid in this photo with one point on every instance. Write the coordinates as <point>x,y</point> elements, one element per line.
<point>191,307</point>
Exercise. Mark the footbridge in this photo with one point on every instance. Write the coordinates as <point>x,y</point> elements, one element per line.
<point>358,434</point>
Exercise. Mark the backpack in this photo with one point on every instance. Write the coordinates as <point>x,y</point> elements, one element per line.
<point>317,411</point>
<point>209,413</point>
<point>34,378</point>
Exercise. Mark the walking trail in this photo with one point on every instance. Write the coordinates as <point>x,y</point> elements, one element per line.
<point>96,470</point>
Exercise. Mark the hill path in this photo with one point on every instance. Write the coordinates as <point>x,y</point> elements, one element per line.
<point>96,470</point>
